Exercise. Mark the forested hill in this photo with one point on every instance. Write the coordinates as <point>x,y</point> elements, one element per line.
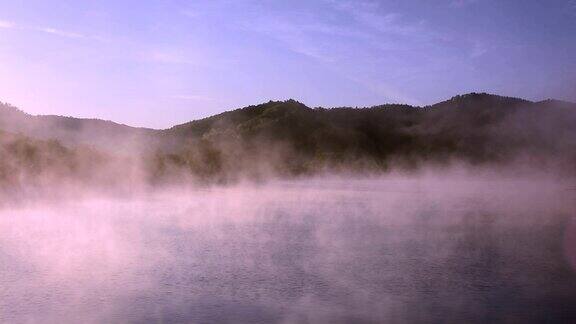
<point>73,131</point>
<point>287,138</point>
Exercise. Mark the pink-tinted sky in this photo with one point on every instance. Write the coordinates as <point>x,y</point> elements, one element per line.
<point>157,63</point>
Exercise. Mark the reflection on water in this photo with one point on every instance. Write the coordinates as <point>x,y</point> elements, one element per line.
<point>321,252</point>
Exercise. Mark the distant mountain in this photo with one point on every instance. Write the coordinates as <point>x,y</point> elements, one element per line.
<point>287,138</point>
<point>74,131</point>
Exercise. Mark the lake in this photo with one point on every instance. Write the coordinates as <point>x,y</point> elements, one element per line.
<point>429,249</point>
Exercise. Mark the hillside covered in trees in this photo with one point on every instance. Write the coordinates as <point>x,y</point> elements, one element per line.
<point>286,139</point>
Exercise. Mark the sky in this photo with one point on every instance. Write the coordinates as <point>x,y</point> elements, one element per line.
<point>158,63</point>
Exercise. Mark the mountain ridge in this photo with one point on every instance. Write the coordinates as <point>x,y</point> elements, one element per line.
<point>288,138</point>
<point>5,105</point>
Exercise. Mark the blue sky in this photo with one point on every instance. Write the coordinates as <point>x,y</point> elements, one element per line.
<point>158,63</point>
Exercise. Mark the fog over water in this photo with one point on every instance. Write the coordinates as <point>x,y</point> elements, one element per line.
<point>428,248</point>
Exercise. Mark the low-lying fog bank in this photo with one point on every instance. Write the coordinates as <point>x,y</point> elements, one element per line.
<point>457,246</point>
<point>130,180</point>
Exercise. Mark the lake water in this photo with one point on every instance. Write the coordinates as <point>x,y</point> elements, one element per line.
<point>403,250</point>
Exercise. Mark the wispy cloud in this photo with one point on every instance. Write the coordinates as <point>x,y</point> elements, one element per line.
<point>301,32</point>
<point>381,37</point>
<point>7,24</point>
<point>58,32</point>
<point>368,15</point>
<point>333,44</point>
<point>385,30</point>
<point>294,36</point>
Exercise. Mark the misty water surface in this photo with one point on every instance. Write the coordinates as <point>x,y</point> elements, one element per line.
<point>402,250</point>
